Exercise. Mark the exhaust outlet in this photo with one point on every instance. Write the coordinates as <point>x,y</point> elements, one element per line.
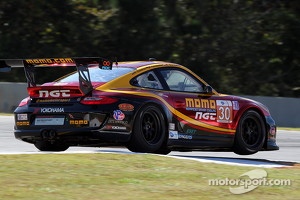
<point>48,134</point>
<point>52,134</point>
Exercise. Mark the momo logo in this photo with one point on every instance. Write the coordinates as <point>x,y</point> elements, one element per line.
<point>49,61</point>
<point>54,93</point>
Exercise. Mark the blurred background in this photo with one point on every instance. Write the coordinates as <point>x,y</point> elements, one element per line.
<point>242,47</point>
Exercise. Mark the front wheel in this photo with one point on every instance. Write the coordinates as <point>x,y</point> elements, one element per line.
<point>48,146</point>
<point>250,135</point>
<point>149,131</point>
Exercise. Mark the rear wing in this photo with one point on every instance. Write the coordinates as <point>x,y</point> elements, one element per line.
<point>81,63</point>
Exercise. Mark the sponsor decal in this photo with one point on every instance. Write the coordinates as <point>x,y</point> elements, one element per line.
<point>235,105</point>
<point>191,131</point>
<point>49,61</point>
<point>54,93</point>
<point>205,116</point>
<point>106,65</point>
<point>186,137</point>
<point>24,123</point>
<point>204,105</point>
<point>171,126</point>
<point>78,122</point>
<point>173,134</point>
<point>22,117</point>
<point>117,122</point>
<point>52,110</point>
<point>118,127</point>
<point>118,115</point>
<point>52,100</point>
<point>95,122</point>
<point>126,107</point>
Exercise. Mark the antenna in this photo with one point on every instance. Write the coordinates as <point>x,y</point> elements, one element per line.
<point>116,61</point>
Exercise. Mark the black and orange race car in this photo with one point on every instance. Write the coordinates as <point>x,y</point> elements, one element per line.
<point>147,106</point>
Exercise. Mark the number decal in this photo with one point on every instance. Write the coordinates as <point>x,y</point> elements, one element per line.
<point>224,111</point>
<point>106,63</point>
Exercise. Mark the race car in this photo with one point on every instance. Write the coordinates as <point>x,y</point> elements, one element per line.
<point>147,106</point>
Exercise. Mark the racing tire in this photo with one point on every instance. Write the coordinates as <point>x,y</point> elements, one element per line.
<point>48,146</point>
<point>250,135</point>
<point>149,131</point>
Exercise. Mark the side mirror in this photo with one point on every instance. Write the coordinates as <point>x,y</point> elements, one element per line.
<point>208,89</point>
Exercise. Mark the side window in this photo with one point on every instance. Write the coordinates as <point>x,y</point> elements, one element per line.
<point>147,80</point>
<point>180,81</point>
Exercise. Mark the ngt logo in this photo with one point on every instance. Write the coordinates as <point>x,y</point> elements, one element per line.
<point>205,116</point>
<point>54,93</point>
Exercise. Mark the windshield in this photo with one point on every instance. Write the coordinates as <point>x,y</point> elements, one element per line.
<point>98,75</point>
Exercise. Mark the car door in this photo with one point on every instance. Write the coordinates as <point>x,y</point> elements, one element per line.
<point>203,118</point>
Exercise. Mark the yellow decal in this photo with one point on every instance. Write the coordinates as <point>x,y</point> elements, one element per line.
<point>24,123</point>
<point>200,103</point>
<point>78,122</point>
<point>49,61</point>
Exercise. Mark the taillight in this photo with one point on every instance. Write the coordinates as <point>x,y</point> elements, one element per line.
<point>24,102</point>
<point>97,100</point>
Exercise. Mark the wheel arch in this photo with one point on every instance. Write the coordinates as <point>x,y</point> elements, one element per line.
<point>260,112</point>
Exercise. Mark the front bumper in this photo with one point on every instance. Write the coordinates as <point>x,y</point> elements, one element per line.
<point>271,135</point>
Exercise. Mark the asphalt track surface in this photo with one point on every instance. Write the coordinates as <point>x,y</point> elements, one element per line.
<point>288,141</point>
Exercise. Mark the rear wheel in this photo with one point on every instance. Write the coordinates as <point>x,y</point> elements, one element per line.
<point>48,146</point>
<point>149,131</point>
<point>250,135</point>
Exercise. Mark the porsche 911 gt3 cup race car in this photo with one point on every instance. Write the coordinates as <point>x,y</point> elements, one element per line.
<point>147,106</point>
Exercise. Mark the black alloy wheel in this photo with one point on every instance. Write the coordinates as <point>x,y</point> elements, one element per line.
<point>250,135</point>
<point>149,131</point>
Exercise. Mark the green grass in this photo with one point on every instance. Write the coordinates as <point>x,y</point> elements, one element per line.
<point>6,114</point>
<point>113,176</point>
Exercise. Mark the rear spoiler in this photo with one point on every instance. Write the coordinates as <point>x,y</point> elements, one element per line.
<point>81,63</point>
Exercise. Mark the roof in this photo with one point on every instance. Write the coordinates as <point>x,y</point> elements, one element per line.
<point>138,64</point>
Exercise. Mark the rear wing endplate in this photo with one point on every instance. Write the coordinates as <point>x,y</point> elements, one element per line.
<point>81,63</point>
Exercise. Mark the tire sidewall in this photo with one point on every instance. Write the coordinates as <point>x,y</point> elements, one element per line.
<point>240,145</point>
<point>138,141</point>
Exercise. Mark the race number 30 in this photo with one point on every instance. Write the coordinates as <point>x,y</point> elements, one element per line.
<point>224,111</point>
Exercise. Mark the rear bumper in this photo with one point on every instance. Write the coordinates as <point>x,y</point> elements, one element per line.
<point>84,136</point>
